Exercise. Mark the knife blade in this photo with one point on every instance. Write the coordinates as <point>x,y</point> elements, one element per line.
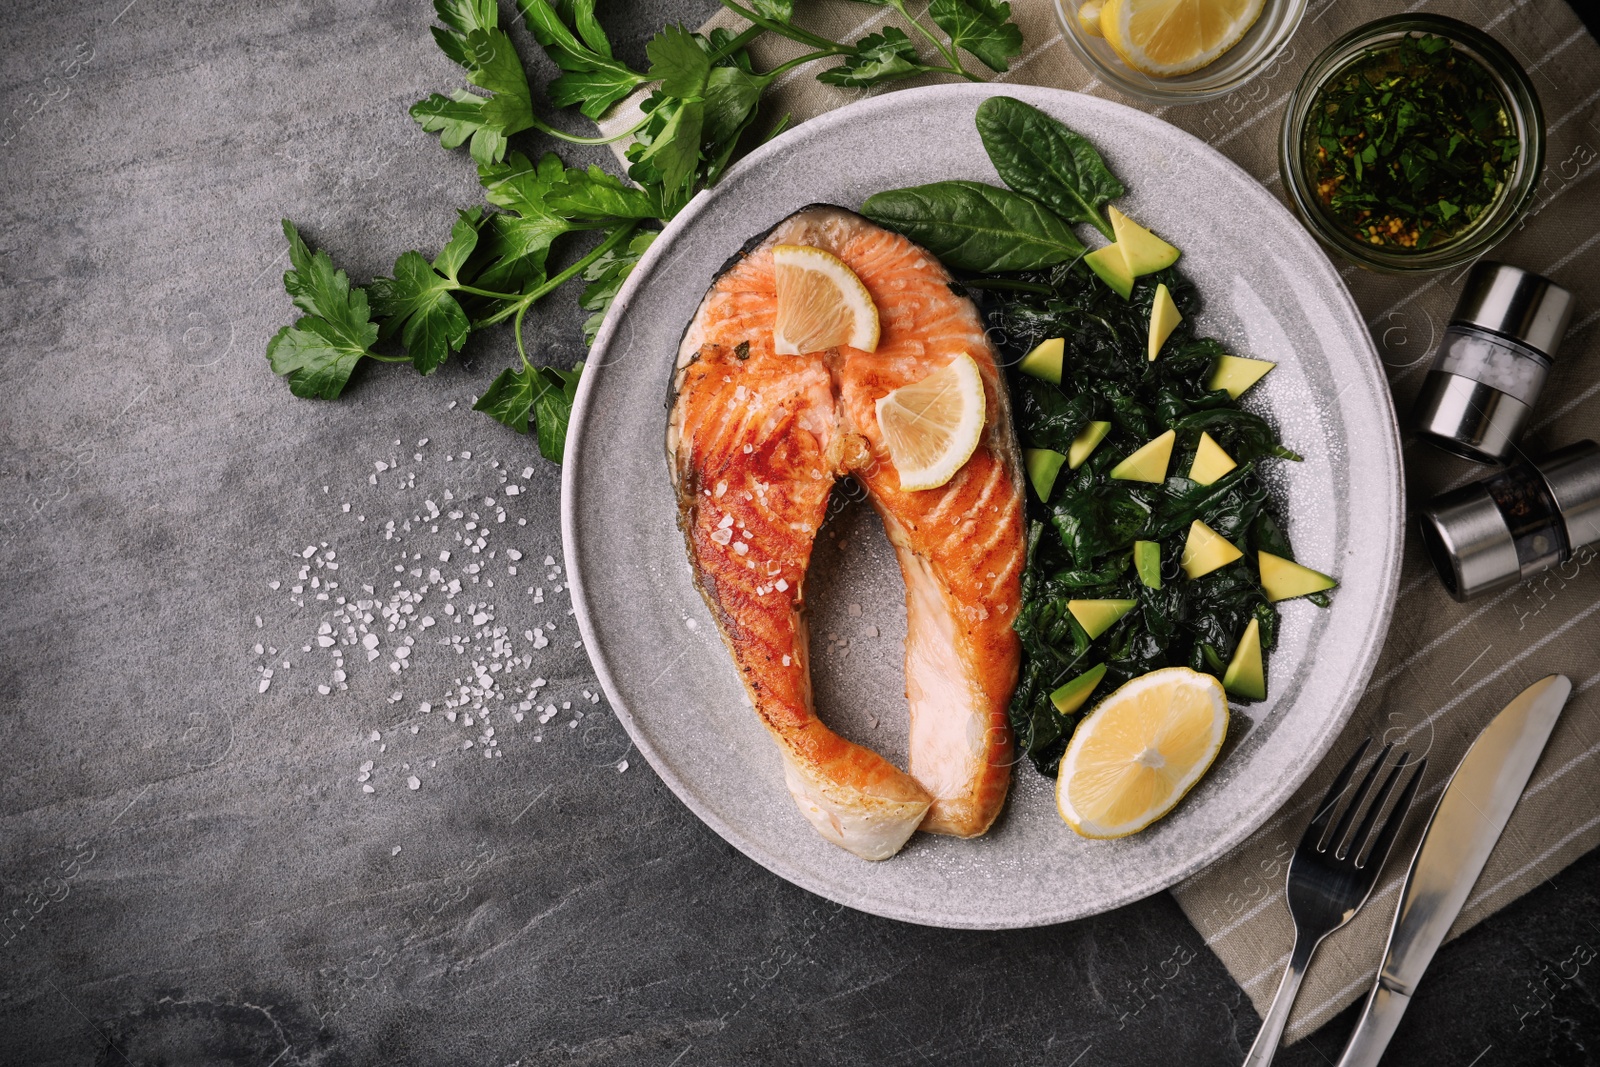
<point>1470,817</point>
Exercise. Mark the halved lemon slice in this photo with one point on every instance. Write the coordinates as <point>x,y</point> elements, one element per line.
<point>931,427</point>
<point>1140,751</point>
<point>1169,37</point>
<point>821,303</point>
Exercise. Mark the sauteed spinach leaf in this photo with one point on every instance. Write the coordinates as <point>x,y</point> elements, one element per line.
<point>1080,540</point>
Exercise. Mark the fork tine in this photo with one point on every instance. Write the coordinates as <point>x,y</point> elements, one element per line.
<point>1319,822</point>
<point>1336,840</point>
<point>1361,838</point>
<point>1380,848</point>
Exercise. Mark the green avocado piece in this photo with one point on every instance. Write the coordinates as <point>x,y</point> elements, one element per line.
<point>1284,578</point>
<point>1098,616</point>
<point>1043,466</point>
<point>1236,374</point>
<point>1149,462</point>
<point>1143,251</point>
<point>1109,264</point>
<point>1164,318</point>
<point>1245,676</point>
<point>1085,443</point>
<point>1075,694</point>
<point>1045,360</point>
<point>1147,561</point>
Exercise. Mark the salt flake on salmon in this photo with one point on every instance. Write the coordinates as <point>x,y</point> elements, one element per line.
<point>756,439</point>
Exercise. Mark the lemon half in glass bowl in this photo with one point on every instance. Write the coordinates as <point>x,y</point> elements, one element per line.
<point>1175,51</point>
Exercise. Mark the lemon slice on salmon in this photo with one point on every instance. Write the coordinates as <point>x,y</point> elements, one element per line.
<point>1140,751</point>
<point>1169,37</point>
<point>821,303</point>
<point>931,427</point>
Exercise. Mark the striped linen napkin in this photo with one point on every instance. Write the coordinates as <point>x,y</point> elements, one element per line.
<point>1447,668</point>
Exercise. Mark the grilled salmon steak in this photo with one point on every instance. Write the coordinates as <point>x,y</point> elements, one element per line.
<point>755,441</point>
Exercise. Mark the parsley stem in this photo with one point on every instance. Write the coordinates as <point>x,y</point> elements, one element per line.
<point>798,61</point>
<point>516,329</point>
<point>484,292</point>
<point>572,138</point>
<point>783,29</point>
<point>388,359</point>
<point>614,238</point>
<point>738,42</point>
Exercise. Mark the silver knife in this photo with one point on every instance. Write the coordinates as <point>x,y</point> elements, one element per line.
<point>1468,821</point>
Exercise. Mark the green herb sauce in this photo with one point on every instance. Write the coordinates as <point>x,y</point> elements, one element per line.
<point>1409,145</point>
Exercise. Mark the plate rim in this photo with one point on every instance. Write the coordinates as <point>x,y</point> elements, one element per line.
<point>753,848</point>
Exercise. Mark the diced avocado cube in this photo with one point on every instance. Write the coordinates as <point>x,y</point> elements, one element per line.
<point>1284,578</point>
<point>1246,677</point>
<point>1043,466</point>
<point>1206,550</point>
<point>1098,616</point>
<point>1085,443</point>
<point>1045,360</point>
<point>1073,695</point>
<point>1210,461</point>
<point>1149,463</point>
<point>1144,252</point>
<point>1112,269</point>
<point>1236,374</point>
<point>1147,561</point>
<point>1164,318</point>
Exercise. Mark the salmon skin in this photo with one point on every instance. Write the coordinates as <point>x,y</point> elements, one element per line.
<point>755,442</point>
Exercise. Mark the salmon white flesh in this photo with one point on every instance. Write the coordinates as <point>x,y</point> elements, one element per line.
<point>755,442</point>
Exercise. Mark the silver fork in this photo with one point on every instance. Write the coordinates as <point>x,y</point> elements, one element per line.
<point>1331,877</point>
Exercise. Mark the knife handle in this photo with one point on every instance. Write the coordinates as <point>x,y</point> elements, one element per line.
<point>1377,1024</point>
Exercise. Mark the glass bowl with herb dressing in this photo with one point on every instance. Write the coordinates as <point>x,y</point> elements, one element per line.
<point>1413,143</point>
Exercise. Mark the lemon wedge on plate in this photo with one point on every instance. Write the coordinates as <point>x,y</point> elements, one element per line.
<point>1140,751</point>
<point>931,427</point>
<point>821,303</point>
<point>1169,37</point>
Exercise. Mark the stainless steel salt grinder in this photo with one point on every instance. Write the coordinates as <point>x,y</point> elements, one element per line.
<point>1515,523</point>
<point>1488,370</point>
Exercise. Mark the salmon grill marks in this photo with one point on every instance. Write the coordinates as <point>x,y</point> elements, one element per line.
<point>755,442</point>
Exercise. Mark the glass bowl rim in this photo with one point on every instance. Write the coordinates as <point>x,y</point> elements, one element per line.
<point>1522,105</point>
<point>1126,80</point>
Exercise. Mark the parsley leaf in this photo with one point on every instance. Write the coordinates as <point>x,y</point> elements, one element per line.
<point>537,398</point>
<point>419,302</point>
<point>324,345</point>
<point>470,37</point>
<point>679,63</point>
<point>596,196</point>
<point>878,58</point>
<point>517,241</point>
<point>776,10</point>
<point>982,27</point>
<point>605,277</point>
<point>592,78</point>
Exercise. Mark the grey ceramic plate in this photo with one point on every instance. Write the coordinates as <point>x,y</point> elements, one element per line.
<point>1269,293</point>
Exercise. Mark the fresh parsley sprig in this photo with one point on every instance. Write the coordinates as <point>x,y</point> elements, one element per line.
<point>703,101</point>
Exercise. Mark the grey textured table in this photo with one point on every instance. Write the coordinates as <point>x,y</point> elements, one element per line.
<point>201,862</point>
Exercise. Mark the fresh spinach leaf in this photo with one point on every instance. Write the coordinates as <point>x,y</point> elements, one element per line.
<point>977,227</point>
<point>1040,157</point>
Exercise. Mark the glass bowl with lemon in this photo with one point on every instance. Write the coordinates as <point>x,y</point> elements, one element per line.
<point>1176,51</point>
